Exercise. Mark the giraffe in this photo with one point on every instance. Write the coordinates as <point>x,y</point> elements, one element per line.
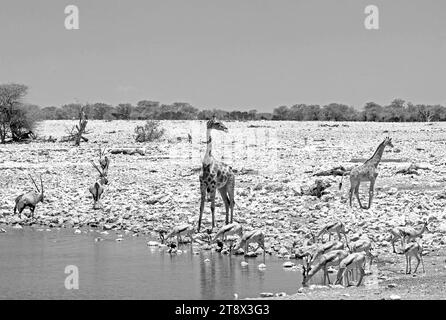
<point>366,172</point>
<point>216,175</point>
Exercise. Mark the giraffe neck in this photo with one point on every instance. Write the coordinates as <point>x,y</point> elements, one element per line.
<point>208,155</point>
<point>376,158</point>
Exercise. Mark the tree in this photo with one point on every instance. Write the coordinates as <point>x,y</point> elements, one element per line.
<point>373,112</point>
<point>281,113</point>
<point>337,112</point>
<point>123,111</point>
<point>395,111</point>
<point>14,119</point>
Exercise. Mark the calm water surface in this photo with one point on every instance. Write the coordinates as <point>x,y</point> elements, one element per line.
<point>33,261</point>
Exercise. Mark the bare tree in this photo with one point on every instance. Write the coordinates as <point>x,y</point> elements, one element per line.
<point>77,132</point>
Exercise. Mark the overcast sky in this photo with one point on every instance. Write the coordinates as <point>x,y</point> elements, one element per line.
<point>225,54</point>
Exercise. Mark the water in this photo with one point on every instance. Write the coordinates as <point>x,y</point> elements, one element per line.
<point>33,262</point>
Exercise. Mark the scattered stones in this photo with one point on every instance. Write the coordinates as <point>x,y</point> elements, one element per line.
<point>288,264</point>
<point>280,294</point>
<point>266,294</point>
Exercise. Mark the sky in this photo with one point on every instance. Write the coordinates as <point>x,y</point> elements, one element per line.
<point>232,54</point>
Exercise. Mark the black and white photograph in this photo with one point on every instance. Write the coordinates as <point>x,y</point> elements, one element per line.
<point>255,152</point>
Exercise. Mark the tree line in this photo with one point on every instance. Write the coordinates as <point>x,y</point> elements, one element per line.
<point>17,118</point>
<point>397,111</point>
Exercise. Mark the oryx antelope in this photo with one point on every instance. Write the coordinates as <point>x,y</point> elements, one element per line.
<point>29,199</point>
<point>104,161</point>
<point>98,188</point>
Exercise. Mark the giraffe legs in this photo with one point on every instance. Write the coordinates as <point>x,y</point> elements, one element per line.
<point>350,195</point>
<point>202,200</point>
<point>212,196</point>
<point>230,186</point>
<point>357,196</point>
<point>361,275</point>
<point>224,196</point>
<point>372,186</point>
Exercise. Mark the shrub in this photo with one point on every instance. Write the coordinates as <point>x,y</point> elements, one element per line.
<point>151,131</point>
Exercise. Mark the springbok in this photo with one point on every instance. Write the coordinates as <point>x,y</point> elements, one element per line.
<point>353,261</point>
<point>332,258</point>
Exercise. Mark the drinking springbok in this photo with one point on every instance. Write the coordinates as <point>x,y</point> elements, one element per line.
<point>353,261</point>
<point>332,258</point>
<point>178,231</point>
<point>252,236</point>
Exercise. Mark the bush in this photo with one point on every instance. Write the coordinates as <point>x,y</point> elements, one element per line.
<point>151,131</point>
<point>22,125</point>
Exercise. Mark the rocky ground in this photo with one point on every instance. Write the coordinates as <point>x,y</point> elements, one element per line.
<point>272,160</point>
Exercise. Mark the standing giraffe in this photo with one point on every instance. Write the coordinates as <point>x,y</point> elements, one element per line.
<point>366,172</point>
<point>216,175</point>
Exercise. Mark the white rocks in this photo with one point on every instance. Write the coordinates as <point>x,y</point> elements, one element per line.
<point>288,264</point>
<point>262,266</point>
<point>17,226</point>
<point>207,260</point>
<point>244,264</point>
<point>77,231</point>
<point>395,297</point>
<point>283,251</point>
<point>266,294</point>
<point>280,294</point>
<point>392,191</point>
<point>153,243</point>
<point>392,285</point>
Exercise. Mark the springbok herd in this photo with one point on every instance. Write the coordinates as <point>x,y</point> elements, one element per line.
<point>315,255</point>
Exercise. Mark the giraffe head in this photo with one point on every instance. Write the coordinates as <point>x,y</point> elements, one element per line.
<point>388,142</point>
<point>213,123</point>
